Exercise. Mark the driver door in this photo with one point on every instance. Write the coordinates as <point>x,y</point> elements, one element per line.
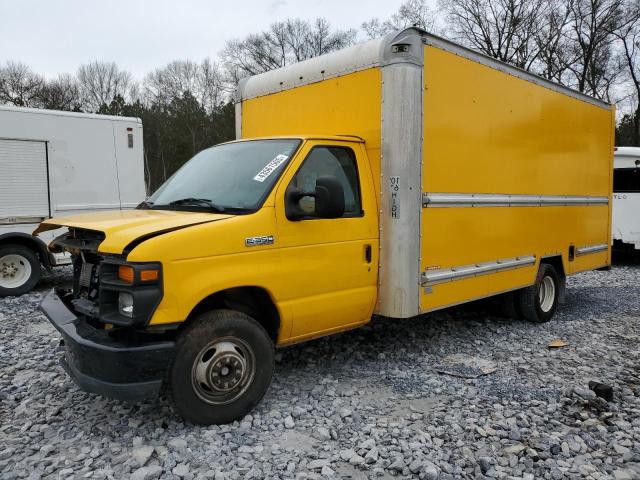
<point>330,264</point>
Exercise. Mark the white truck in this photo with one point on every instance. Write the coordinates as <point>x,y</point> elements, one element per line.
<point>626,198</point>
<point>56,163</point>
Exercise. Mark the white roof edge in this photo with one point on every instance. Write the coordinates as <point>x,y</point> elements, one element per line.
<point>61,113</point>
<point>375,53</point>
<point>356,57</point>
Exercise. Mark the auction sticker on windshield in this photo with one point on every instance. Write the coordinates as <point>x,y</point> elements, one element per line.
<point>270,167</point>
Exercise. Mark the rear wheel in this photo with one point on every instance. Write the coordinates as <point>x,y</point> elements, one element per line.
<point>19,270</point>
<point>539,302</point>
<point>223,367</point>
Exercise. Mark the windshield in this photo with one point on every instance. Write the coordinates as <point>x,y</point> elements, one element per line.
<point>234,176</point>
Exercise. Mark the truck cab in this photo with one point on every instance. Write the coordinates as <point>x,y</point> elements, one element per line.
<point>278,234</point>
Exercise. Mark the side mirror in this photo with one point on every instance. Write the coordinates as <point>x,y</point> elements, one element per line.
<point>329,197</point>
<point>292,208</point>
<point>328,200</point>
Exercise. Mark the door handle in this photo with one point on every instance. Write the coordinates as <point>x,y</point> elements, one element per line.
<point>367,253</point>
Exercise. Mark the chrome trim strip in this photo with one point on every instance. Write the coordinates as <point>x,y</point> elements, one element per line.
<point>433,277</point>
<point>591,249</point>
<point>430,200</point>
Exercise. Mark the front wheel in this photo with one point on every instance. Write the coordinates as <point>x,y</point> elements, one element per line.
<point>539,302</point>
<point>19,270</point>
<point>223,367</point>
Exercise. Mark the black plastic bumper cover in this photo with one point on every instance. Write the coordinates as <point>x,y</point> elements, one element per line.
<point>126,370</point>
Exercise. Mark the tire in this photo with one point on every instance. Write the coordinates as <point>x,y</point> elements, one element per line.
<point>539,302</point>
<point>19,270</point>
<point>223,367</point>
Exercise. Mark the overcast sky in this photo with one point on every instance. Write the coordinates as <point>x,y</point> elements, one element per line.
<point>140,35</point>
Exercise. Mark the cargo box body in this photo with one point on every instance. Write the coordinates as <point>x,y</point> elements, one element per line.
<point>55,163</point>
<point>481,170</point>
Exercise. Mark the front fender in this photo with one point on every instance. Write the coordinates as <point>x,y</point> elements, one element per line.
<point>188,283</point>
<point>204,259</point>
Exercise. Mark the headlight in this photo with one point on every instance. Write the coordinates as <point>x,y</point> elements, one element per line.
<point>125,304</point>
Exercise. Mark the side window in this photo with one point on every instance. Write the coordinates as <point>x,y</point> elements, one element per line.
<point>626,180</point>
<point>339,162</point>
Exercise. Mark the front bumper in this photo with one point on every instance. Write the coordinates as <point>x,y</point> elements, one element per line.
<point>126,369</point>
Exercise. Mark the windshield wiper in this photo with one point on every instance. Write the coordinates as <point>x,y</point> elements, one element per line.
<point>203,202</point>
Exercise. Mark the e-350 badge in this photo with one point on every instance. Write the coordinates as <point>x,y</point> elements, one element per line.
<point>255,241</point>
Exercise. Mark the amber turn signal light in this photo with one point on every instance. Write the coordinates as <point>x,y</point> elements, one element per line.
<point>125,273</point>
<point>148,275</point>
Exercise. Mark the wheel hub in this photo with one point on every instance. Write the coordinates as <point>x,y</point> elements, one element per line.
<point>15,270</point>
<point>223,370</point>
<point>227,371</point>
<point>546,294</point>
<point>9,270</point>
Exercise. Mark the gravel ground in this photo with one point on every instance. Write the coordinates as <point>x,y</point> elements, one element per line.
<point>371,403</point>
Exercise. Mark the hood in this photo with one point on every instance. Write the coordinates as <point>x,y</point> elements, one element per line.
<point>122,227</point>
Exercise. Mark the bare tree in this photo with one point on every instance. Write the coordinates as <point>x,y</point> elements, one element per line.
<point>203,81</point>
<point>19,85</point>
<point>503,29</point>
<point>255,54</point>
<point>412,13</point>
<point>62,93</point>
<point>628,38</point>
<point>592,23</point>
<point>552,41</point>
<point>101,82</point>
<point>320,39</point>
<point>172,80</point>
<point>286,42</point>
<point>212,85</point>
<point>290,37</point>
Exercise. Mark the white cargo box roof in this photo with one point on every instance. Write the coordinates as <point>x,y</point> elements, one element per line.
<point>60,113</point>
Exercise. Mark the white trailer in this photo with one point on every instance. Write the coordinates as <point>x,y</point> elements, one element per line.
<point>626,198</point>
<point>54,164</point>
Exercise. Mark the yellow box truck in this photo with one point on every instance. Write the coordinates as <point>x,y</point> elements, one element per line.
<point>396,177</point>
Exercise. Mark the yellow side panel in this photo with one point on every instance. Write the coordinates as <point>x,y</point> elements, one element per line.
<point>462,236</point>
<point>346,105</point>
<point>488,132</point>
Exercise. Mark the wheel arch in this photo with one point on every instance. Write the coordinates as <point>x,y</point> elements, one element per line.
<point>254,301</point>
<point>29,241</point>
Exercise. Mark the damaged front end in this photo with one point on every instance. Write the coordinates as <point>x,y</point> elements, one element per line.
<point>103,320</point>
<point>106,288</point>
